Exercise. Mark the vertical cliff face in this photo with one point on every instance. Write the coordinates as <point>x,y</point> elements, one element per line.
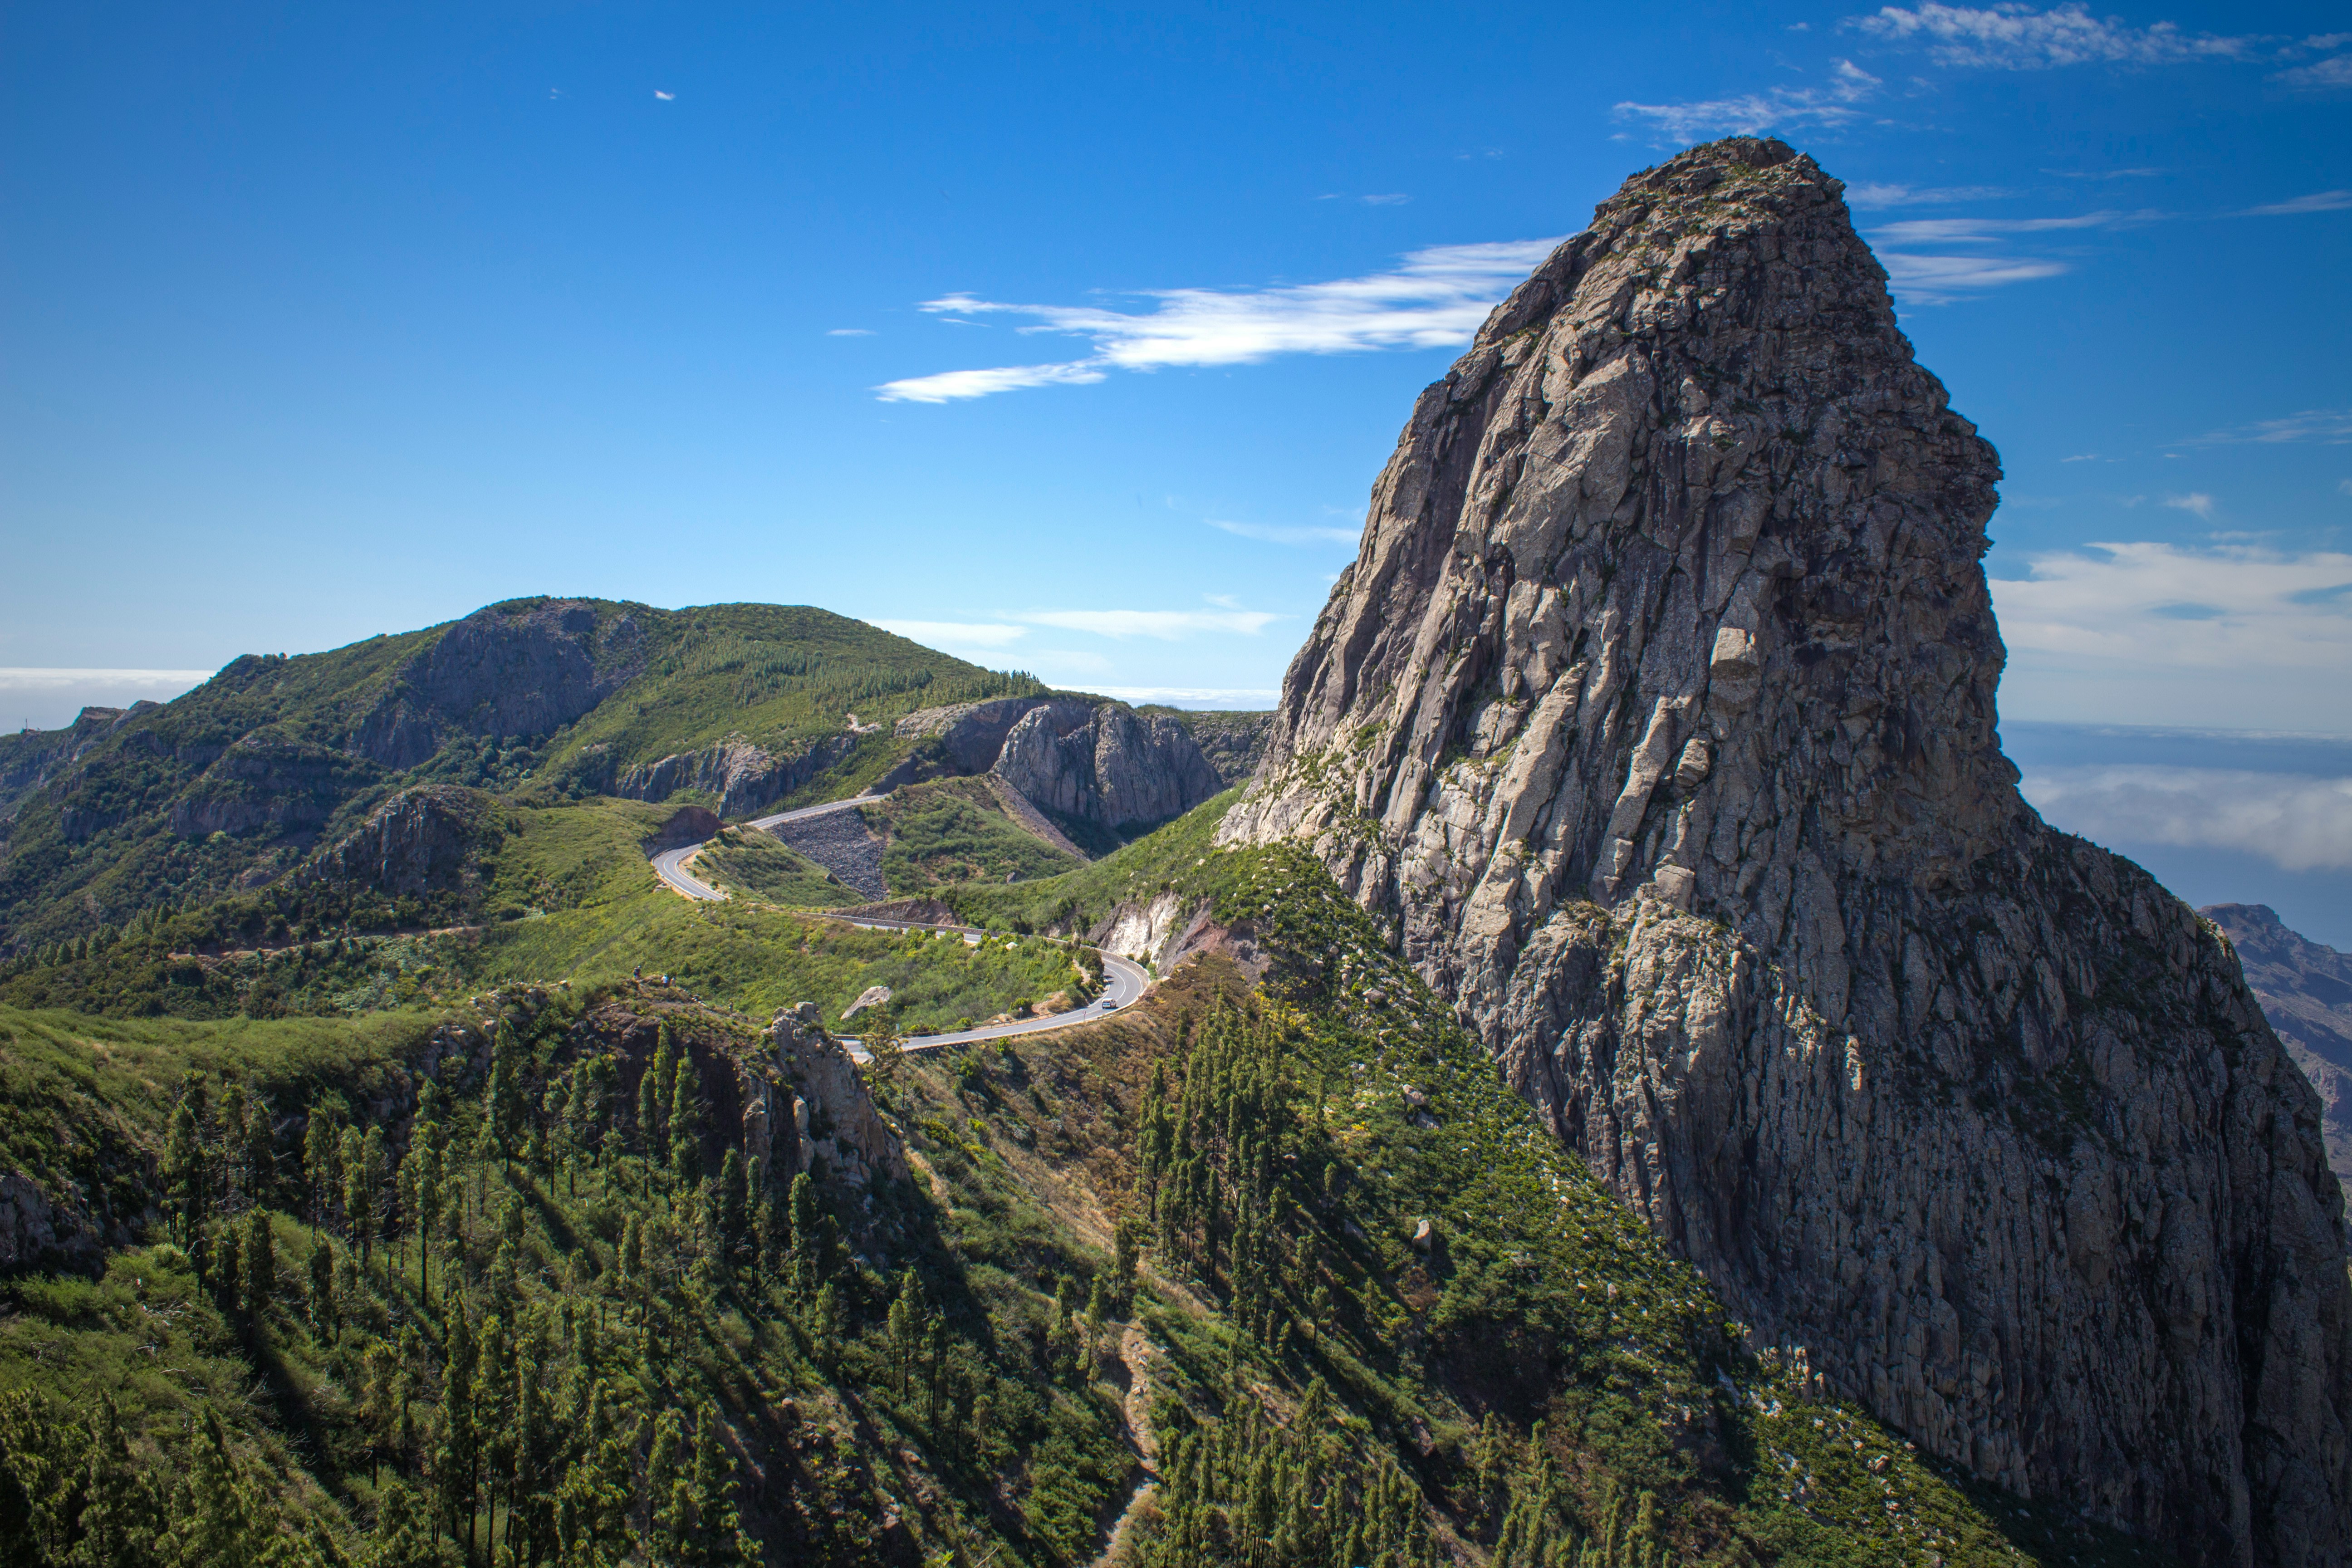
<point>1657,714</point>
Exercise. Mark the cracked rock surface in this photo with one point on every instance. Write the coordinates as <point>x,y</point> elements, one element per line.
<point>1657,714</point>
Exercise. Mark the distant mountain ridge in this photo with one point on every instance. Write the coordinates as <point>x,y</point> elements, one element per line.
<point>2305,990</point>
<point>235,784</point>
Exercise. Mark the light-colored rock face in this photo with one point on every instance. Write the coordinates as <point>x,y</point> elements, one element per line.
<point>1656,713</point>
<point>1108,765</point>
<point>2305,990</point>
<point>1087,761</point>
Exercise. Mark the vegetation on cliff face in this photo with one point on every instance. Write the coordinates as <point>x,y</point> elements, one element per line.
<point>511,1299</point>
<point>955,830</point>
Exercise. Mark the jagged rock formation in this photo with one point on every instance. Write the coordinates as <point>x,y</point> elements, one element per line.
<point>1656,712</point>
<point>424,840</point>
<point>268,780</point>
<point>746,778</point>
<point>1233,742</point>
<point>1113,767</point>
<point>1094,762</point>
<point>2305,990</point>
<point>522,668</point>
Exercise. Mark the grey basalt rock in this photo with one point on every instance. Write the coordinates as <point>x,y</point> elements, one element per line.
<point>523,667</point>
<point>1106,764</point>
<point>1657,716</point>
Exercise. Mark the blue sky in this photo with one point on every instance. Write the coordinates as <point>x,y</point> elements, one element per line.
<point>320,324</point>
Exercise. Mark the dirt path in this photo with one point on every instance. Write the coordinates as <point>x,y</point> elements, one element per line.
<point>1135,1351</point>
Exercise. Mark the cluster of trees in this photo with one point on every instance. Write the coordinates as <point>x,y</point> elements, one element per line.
<point>1244,1493</point>
<point>1227,1167</point>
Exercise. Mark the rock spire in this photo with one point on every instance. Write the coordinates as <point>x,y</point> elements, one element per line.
<point>1657,714</point>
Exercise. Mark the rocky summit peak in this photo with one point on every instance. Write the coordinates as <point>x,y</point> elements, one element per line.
<point>1657,713</point>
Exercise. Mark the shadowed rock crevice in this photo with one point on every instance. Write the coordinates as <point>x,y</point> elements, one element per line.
<point>1656,715</point>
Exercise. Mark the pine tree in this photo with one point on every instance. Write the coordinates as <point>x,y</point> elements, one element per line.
<point>733,1196</point>
<point>652,1102</point>
<point>260,1283</point>
<point>684,1125</point>
<point>325,1318</point>
<point>322,1176</point>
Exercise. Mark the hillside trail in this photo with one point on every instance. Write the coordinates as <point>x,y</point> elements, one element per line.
<point>1135,1350</point>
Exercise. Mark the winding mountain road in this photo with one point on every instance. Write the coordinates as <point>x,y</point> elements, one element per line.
<point>1123,982</point>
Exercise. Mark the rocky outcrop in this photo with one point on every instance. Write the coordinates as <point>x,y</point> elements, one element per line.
<point>1096,762</point>
<point>1656,715</point>
<point>971,735</point>
<point>523,667</point>
<point>1234,742</point>
<point>2305,990</point>
<point>36,1233</point>
<point>822,1112</point>
<point>1109,765</point>
<point>420,841</point>
<point>746,778</point>
<point>268,781</point>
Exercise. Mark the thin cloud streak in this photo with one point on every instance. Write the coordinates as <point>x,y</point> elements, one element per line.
<point>2017,37</point>
<point>2322,427</point>
<point>1942,279</point>
<point>1436,299</point>
<point>1984,230</point>
<point>2318,201</point>
<point>1272,534</point>
<point>966,633</point>
<point>1745,114</point>
<point>1167,626</point>
<point>1872,197</point>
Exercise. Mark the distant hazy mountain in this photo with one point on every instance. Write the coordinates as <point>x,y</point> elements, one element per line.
<point>2305,990</point>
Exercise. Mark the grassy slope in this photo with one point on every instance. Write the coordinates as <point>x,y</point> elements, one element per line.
<point>953,830</point>
<point>590,909</point>
<point>751,864</point>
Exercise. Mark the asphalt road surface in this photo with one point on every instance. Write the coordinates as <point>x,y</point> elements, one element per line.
<point>1123,983</point>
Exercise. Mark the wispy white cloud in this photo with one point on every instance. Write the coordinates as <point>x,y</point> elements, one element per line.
<point>1941,280</point>
<point>959,634</point>
<point>1168,625</point>
<point>849,332</point>
<point>1383,199</point>
<point>2324,426</point>
<point>2321,74</point>
<point>1435,299</point>
<point>2292,820</point>
<point>952,385</point>
<point>2318,201</point>
<point>1871,197</point>
<point>2344,486</point>
<point>2019,37</point>
<point>2103,173</point>
<point>2150,607</point>
<point>665,97</point>
<point>1984,230</point>
<point>1274,534</point>
<point>2197,501</point>
<point>1747,113</point>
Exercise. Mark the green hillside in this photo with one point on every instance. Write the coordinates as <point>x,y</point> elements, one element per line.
<point>504,1303</point>
<point>237,782</point>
